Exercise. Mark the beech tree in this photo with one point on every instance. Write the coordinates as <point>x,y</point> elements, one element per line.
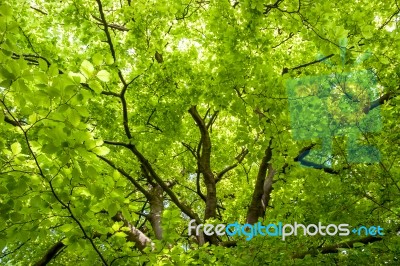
<point>122,121</point>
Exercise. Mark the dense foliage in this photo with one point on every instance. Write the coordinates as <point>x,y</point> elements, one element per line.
<point>121,121</point>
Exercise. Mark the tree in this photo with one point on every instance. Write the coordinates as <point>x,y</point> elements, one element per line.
<point>122,121</point>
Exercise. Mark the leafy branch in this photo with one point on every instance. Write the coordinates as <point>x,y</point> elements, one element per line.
<point>41,173</point>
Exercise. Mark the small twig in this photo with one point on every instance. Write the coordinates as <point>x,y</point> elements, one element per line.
<point>38,10</point>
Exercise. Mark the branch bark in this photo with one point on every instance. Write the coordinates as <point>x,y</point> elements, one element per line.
<point>134,234</point>
<point>166,187</point>
<point>156,209</point>
<point>106,31</point>
<point>15,123</point>
<point>204,164</point>
<point>50,254</point>
<point>262,188</point>
<point>381,100</point>
<point>334,248</point>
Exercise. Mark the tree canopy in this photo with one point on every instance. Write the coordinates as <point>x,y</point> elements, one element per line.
<point>122,121</point>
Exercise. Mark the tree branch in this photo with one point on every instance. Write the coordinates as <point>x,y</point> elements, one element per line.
<point>257,206</point>
<point>130,178</point>
<point>42,175</point>
<point>3,255</point>
<point>286,70</point>
<point>381,100</point>
<point>334,248</point>
<point>204,162</point>
<point>113,26</point>
<point>190,149</point>
<point>50,254</point>
<point>239,159</point>
<point>38,10</point>
<point>156,209</point>
<point>165,186</point>
<point>15,123</point>
<point>106,31</point>
<point>134,234</point>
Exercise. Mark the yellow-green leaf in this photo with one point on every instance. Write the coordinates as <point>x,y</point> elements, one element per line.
<point>16,148</point>
<point>103,75</point>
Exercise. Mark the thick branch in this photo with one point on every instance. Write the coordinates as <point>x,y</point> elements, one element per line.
<point>110,93</point>
<point>390,19</point>
<point>228,244</point>
<point>334,248</point>
<point>204,163</point>
<point>134,234</point>
<point>267,188</point>
<point>205,156</point>
<point>186,209</point>
<point>319,166</point>
<point>257,206</point>
<point>156,208</point>
<point>125,84</point>
<point>50,254</point>
<point>9,252</point>
<point>198,187</point>
<point>381,100</point>
<point>32,58</point>
<point>268,8</point>
<point>304,152</point>
<point>148,123</point>
<point>124,104</point>
<point>189,148</point>
<point>11,121</point>
<point>165,186</point>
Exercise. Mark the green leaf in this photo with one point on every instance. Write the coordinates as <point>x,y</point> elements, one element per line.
<point>53,70</point>
<point>16,217</point>
<point>16,148</point>
<point>77,77</point>
<point>112,209</point>
<point>109,59</point>
<point>116,226</point>
<point>87,68</point>
<point>74,117</point>
<point>66,228</point>
<point>97,59</point>
<point>1,118</point>
<point>358,244</point>
<point>42,64</point>
<point>6,10</point>
<point>367,32</point>
<point>96,86</point>
<point>103,75</point>
<point>101,150</point>
<point>384,60</point>
<point>120,234</point>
